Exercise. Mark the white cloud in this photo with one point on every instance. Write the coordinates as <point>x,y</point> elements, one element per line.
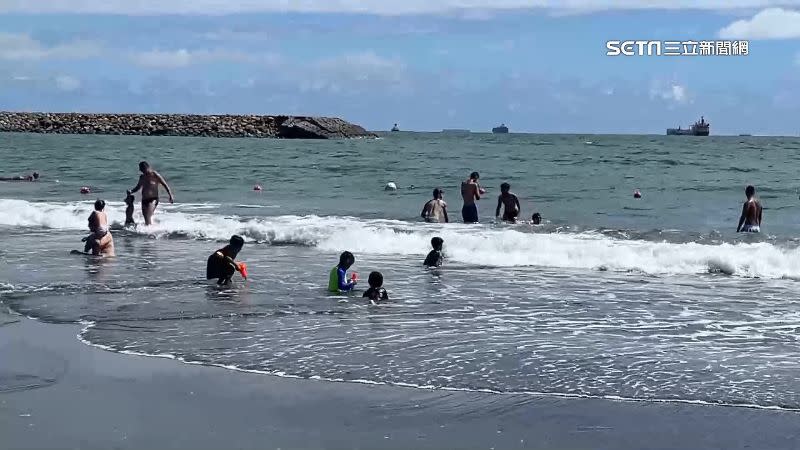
<point>363,66</point>
<point>672,92</point>
<point>772,23</point>
<point>21,47</point>
<point>472,8</point>
<point>175,59</point>
<point>67,83</point>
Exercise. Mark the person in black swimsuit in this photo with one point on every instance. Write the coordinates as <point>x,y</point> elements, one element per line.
<point>148,183</point>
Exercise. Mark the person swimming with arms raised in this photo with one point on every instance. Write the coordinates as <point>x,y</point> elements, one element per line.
<point>510,203</point>
<point>750,220</point>
<point>435,210</point>
<point>148,183</point>
<point>100,239</point>
<point>471,191</point>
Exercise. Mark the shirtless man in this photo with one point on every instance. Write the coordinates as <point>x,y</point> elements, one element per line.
<point>435,210</point>
<point>100,240</point>
<point>510,202</point>
<point>470,192</point>
<point>750,221</point>
<point>148,183</point>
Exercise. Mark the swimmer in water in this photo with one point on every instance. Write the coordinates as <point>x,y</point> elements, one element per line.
<point>470,192</point>
<point>221,264</point>
<point>536,219</point>
<point>435,210</point>
<point>750,220</point>
<point>337,281</point>
<point>510,202</point>
<point>99,240</point>
<point>435,256</point>
<point>129,199</point>
<point>32,177</point>
<point>148,183</point>
<point>376,292</point>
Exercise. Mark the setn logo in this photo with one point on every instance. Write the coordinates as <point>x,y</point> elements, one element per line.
<point>631,48</point>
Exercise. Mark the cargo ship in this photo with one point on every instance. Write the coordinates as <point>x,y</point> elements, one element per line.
<point>502,129</point>
<point>699,128</point>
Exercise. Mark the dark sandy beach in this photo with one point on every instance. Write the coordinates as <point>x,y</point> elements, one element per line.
<point>56,392</point>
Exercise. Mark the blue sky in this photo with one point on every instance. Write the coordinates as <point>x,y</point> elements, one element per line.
<point>536,65</point>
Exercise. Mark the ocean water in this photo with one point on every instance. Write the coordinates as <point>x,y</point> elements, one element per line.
<point>652,299</point>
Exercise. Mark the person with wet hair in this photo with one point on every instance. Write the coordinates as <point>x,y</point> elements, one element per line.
<point>222,263</point>
<point>338,281</point>
<point>435,256</point>
<point>99,240</point>
<point>376,292</point>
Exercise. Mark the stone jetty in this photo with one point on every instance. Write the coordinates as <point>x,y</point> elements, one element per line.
<point>282,127</point>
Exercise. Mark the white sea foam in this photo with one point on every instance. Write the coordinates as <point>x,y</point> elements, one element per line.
<point>465,244</point>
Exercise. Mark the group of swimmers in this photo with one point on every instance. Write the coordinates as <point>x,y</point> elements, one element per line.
<point>435,210</point>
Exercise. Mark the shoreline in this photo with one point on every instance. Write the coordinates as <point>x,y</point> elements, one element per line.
<point>57,392</point>
<point>280,374</point>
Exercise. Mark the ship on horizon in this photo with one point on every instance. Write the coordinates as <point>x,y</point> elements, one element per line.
<point>395,128</point>
<point>502,129</point>
<point>699,128</point>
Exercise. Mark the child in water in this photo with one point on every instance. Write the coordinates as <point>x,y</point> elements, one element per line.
<point>510,202</point>
<point>434,258</point>
<point>376,292</point>
<point>536,219</point>
<point>129,198</point>
<point>221,264</point>
<point>338,282</point>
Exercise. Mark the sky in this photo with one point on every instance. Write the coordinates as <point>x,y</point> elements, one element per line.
<point>535,65</point>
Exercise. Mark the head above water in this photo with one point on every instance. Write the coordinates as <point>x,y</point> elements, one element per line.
<point>438,193</point>
<point>749,191</point>
<point>346,259</point>
<point>505,187</point>
<point>144,166</point>
<point>35,175</point>
<point>375,279</point>
<point>437,243</point>
<point>474,176</point>
<point>99,205</point>
<point>237,242</point>
<point>536,218</point>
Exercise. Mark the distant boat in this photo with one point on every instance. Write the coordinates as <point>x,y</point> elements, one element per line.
<point>700,128</point>
<point>394,128</point>
<point>502,129</point>
<point>745,134</point>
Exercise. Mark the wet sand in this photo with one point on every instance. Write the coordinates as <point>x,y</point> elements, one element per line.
<point>56,392</point>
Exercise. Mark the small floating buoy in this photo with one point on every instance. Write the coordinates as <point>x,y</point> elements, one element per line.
<point>85,190</point>
<point>637,194</point>
<point>390,186</point>
<point>257,187</point>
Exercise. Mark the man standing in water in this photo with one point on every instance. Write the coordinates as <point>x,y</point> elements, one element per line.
<point>750,221</point>
<point>470,192</point>
<point>148,183</point>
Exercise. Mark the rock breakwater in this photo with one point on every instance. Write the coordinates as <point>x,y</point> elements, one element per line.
<point>285,127</point>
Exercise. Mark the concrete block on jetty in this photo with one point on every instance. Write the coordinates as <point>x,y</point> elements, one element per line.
<point>282,127</point>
